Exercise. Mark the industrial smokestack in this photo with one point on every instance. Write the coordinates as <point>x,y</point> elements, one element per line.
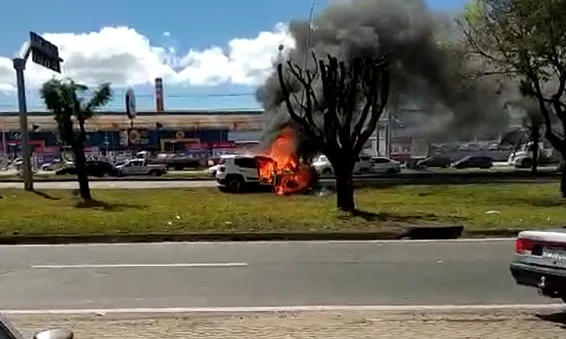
<point>159,106</point>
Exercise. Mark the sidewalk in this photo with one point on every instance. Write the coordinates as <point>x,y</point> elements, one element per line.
<point>342,325</point>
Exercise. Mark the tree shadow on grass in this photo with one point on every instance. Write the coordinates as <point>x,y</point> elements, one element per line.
<point>556,318</point>
<point>537,201</point>
<point>105,206</point>
<point>45,195</point>
<point>405,218</point>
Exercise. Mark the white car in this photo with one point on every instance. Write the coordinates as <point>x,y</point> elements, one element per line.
<point>540,261</point>
<point>385,165</point>
<point>323,167</point>
<point>141,167</point>
<point>236,172</point>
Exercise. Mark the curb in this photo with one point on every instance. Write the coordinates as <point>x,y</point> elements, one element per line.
<point>493,233</point>
<point>449,232</point>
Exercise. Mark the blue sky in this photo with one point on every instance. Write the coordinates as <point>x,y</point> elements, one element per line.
<point>175,25</point>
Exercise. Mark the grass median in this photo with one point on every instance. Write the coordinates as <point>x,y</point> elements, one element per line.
<point>208,210</point>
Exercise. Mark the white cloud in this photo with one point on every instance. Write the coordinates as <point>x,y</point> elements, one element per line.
<point>123,56</point>
<point>166,33</point>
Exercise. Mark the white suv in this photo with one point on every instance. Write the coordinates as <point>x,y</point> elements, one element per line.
<point>235,172</point>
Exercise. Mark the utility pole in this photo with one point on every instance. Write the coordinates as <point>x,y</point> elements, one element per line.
<point>45,54</point>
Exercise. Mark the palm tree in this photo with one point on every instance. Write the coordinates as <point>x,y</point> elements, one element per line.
<point>65,98</point>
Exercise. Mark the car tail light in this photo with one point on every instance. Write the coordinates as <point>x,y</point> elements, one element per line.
<point>524,246</point>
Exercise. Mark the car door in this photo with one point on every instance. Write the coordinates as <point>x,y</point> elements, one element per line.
<point>248,168</point>
<point>138,168</point>
<point>380,165</point>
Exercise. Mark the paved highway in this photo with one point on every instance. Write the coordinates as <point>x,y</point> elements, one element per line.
<point>259,274</point>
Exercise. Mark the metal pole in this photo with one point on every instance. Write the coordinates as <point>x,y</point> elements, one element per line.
<point>388,134</point>
<point>4,146</point>
<point>20,66</point>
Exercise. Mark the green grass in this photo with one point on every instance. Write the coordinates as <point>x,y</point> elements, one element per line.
<point>208,210</point>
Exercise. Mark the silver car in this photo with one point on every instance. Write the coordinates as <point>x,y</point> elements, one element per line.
<point>540,261</point>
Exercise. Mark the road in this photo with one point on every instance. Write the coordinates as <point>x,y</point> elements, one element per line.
<point>190,275</point>
<point>113,184</point>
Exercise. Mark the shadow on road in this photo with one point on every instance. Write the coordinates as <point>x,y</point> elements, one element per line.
<point>105,206</point>
<point>556,318</point>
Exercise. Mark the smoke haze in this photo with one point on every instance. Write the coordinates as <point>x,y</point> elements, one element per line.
<point>425,74</point>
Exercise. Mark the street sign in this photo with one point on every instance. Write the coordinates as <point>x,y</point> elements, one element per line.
<point>130,103</point>
<point>44,53</point>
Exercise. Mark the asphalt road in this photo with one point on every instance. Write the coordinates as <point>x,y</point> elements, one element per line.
<point>113,184</point>
<point>259,274</point>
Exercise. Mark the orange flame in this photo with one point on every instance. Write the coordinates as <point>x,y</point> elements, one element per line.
<point>279,165</point>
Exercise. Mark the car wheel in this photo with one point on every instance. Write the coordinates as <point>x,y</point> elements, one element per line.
<point>526,163</point>
<point>235,184</point>
<point>390,171</point>
<point>154,173</point>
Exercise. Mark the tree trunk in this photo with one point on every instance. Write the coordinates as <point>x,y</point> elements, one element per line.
<point>563,178</point>
<point>82,176</point>
<point>80,164</point>
<point>535,150</point>
<point>534,165</point>
<point>345,192</point>
<point>343,169</point>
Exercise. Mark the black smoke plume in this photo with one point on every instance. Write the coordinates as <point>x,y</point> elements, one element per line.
<point>428,73</point>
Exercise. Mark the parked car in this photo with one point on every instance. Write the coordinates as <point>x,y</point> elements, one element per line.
<point>214,168</point>
<point>93,168</point>
<point>9,331</point>
<point>385,165</point>
<point>141,167</point>
<point>540,262</point>
<point>323,166</point>
<point>434,161</point>
<point>473,161</point>
<point>55,164</point>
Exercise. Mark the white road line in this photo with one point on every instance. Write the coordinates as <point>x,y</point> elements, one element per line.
<point>188,265</point>
<point>334,308</point>
<point>407,241</point>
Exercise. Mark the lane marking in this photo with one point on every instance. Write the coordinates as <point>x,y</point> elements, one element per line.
<point>244,243</point>
<point>311,308</point>
<point>188,265</point>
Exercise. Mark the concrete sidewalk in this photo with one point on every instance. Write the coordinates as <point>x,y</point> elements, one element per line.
<point>339,325</point>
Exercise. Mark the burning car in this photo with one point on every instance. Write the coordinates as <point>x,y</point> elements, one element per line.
<point>278,166</point>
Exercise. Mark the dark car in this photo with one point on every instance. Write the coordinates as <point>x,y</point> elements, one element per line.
<point>434,161</point>
<point>94,168</point>
<point>474,162</point>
